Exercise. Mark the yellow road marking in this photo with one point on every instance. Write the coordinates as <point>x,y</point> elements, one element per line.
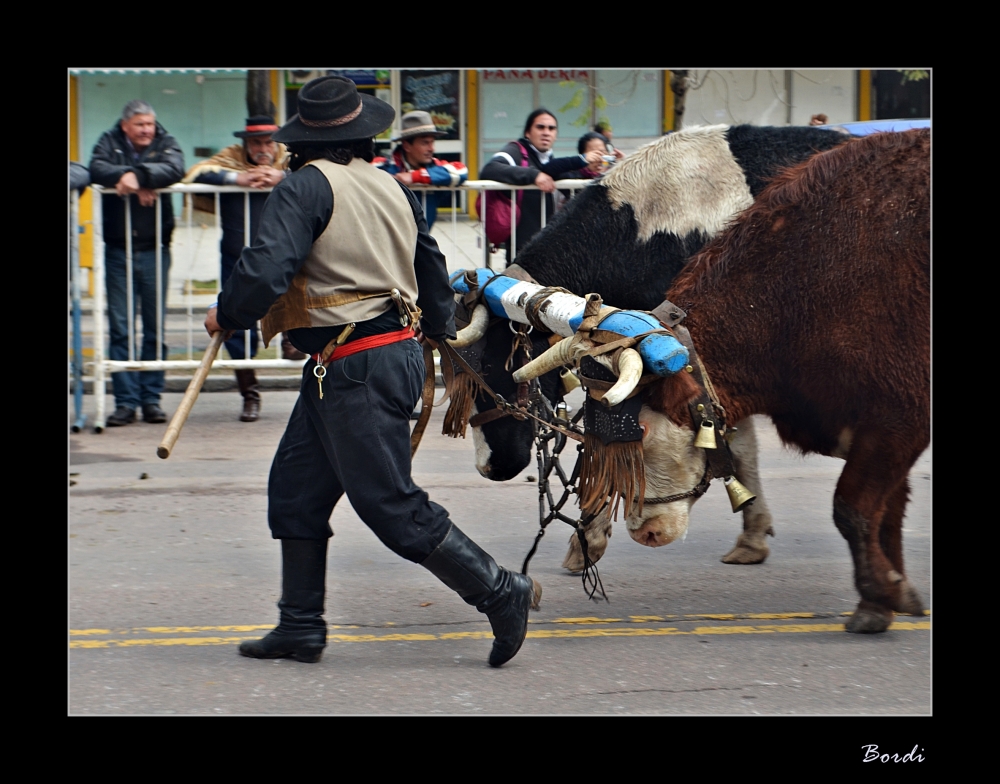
<point>187,629</point>
<point>538,634</point>
<point>573,621</point>
<point>581,621</point>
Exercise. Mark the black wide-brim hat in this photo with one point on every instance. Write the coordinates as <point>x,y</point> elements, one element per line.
<point>331,109</point>
<point>256,126</point>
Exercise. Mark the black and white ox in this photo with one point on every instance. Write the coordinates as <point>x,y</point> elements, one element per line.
<point>814,309</point>
<point>627,237</point>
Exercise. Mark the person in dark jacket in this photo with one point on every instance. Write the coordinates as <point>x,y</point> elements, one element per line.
<point>342,282</point>
<point>540,132</point>
<point>79,177</point>
<point>136,157</point>
<point>258,162</point>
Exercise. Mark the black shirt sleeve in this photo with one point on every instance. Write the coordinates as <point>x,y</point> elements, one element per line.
<point>434,294</point>
<point>556,167</point>
<point>294,215</point>
<point>211,178</point>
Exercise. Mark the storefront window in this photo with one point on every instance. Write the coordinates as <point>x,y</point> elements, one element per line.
<point>633,102</point>
<point>435,92</point>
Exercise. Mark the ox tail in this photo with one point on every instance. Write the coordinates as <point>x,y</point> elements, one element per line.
<point>611,473</point>
<point>463,395</point>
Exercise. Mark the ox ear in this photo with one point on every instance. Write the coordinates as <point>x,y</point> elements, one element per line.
<point>670,396</point>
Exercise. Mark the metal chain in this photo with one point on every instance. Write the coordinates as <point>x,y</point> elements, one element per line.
<point>548,462</point>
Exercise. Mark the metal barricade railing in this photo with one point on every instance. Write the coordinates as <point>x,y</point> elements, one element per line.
<point>480,187</point>
<point>76,368</point>
<point>102,367</point>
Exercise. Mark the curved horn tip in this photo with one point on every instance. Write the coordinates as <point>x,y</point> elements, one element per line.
<point>476,329</point>
<point>558,355</point>
<point>629,373</point>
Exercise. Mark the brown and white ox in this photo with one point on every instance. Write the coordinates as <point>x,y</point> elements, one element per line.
<point>627,237</point>
<point>814,309</point>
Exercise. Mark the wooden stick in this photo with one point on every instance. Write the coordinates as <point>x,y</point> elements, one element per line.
<point>181,414</point>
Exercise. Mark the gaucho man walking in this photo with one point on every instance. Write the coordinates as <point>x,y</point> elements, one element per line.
<point>342,263</point>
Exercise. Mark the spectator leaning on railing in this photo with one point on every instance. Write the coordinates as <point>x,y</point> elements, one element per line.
<point>258,162</point>
<point>79,177</point>
<point>540,132</point>
<point>136,157</point>
<point>413,162</point>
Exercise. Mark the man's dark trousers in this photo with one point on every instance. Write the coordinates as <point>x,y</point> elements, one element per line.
<point>236,345</point>
<point>136,389</point>
<point>356,440</point>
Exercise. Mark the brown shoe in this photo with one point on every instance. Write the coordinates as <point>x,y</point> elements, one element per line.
<point>247,381</point>
<point>288,351</point>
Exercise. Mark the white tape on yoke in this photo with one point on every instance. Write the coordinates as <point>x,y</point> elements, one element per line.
<point>560,310</point>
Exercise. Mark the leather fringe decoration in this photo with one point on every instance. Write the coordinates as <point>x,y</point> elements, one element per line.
<point>611,473</point>
<point>463,395</point>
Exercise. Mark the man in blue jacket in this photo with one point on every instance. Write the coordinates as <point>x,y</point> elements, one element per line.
<point>413,162</point>
<point>136,157</point>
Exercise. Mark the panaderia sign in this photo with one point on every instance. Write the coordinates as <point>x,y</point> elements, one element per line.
<point>542,74</point>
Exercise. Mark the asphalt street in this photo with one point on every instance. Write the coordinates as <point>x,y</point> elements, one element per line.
<point>171,564</point>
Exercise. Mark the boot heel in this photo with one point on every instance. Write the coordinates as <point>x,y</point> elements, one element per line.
<point>536,594</point>
<point>310,654</point>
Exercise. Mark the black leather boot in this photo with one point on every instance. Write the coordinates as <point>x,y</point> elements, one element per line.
<point>504,596</point>
<point>301,630</point>
<point>247,381</point>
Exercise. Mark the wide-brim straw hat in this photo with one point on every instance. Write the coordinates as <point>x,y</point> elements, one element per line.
<point>331,109</point>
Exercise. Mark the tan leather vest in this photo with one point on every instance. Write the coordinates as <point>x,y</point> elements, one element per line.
<point>365,251</point>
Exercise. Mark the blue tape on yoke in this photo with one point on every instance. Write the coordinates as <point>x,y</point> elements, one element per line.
<point>661,354</point>
<point>458,279</point>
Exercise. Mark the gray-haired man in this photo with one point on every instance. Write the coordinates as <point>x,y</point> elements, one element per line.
<point>136,157</point>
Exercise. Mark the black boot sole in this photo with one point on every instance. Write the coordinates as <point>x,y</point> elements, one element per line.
<point>309,654</point>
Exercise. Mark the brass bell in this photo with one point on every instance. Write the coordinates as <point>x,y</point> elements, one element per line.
<point>739,496</point>
<point>569,381</point>
<point>706,435</point>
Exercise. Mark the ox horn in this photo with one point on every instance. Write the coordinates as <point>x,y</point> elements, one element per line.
<point>565,352</point>
<point>629,373</point>
<point>476,329</point>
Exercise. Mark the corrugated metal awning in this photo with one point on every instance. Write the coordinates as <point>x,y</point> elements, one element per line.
<point>78,71</point>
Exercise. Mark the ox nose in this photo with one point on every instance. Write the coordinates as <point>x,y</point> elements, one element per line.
<point>649,537</point>
<point>660,530</point>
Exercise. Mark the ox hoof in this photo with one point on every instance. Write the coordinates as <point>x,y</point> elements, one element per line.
<point>536,594</point>
<point>909,600</point>
<point>597,535</point>
<point>748,550</point>
<point>869,618</point>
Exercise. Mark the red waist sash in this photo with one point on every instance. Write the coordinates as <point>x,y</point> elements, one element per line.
<point>363,344</point>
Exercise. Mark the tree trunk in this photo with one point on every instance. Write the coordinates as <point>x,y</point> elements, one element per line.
<point>259,93</point>
<point>679,87</point>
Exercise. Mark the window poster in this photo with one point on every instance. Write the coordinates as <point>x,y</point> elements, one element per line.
<point>435,92</point>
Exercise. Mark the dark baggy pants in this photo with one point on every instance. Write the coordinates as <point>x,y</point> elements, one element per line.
<point>236,345</point>
<point>356,440</point>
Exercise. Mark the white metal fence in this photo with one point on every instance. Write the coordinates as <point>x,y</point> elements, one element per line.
<point>101,367</point>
